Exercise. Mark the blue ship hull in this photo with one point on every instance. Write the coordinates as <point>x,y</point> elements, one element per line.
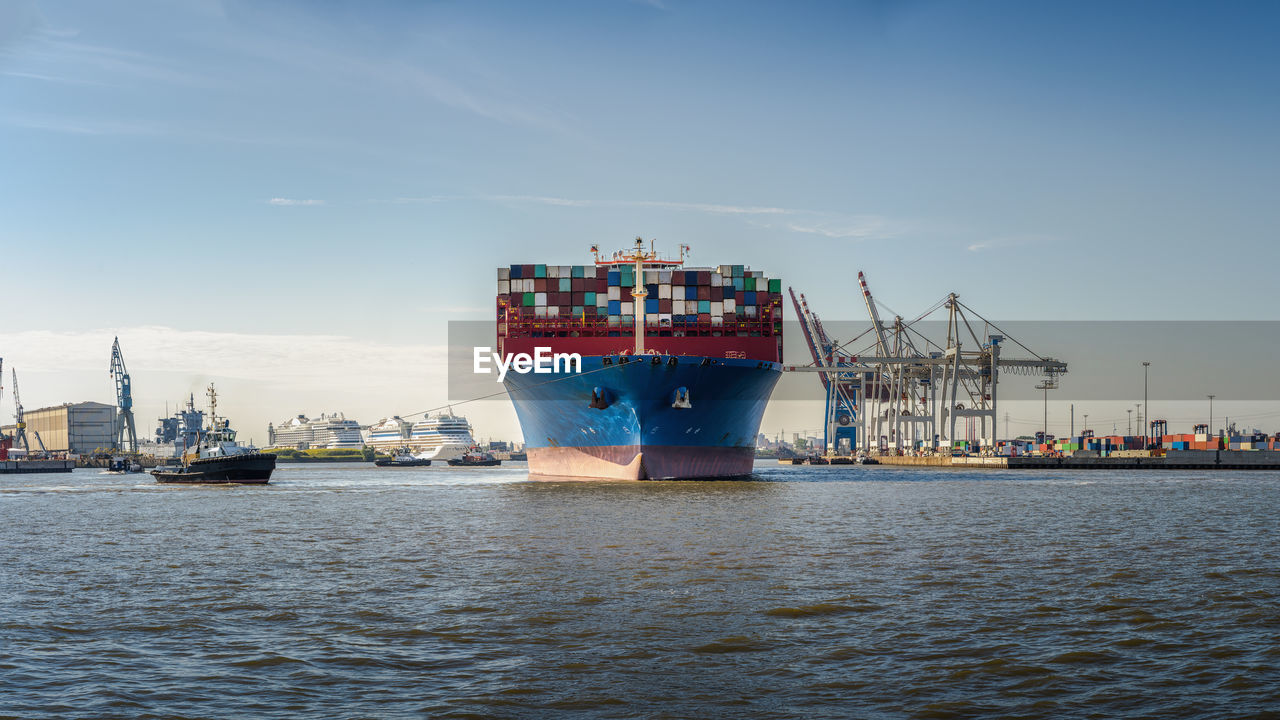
<point>644,417</point>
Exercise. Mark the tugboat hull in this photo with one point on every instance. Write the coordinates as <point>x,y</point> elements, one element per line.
<point>402,463</point>
<point>249,469</point>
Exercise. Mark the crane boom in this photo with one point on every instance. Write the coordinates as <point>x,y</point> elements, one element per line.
<point>126,433</point>
<point>882,344</point>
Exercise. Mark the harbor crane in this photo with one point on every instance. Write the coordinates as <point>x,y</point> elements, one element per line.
<point>19,423</point>
<point>126,434</point>
<point>910,391</point>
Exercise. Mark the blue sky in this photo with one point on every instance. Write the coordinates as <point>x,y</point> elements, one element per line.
<point>358,170</point>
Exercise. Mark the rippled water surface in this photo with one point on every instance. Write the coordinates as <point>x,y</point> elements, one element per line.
<point>342,591</point>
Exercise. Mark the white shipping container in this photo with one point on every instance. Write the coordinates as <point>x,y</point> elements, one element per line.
<point>717,280</point>
<point>664,276</point>
<point>553,271</point>
<point>726,270</point>
<point>751,311</point>
<point>504,287</point>
<point>652,276</point>
<point>540,312</point>
<point>553,311</point>
<point>757,274</point>
<point>627,307</point>
<point>664,318</point>
<point>717,320</point>
<point>504,273</point>
<point>615,293</point>
<point>664,292</point>
<point>540,299</point>
<point>614,321</point>
<point>602,300</point>
<point>730,305</point>
<point>677,292</point>
<point>717,308</point>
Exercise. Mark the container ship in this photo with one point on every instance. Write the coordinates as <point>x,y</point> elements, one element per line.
<point>677,364</point>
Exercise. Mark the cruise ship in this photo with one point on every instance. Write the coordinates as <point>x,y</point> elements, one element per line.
<point>327,431</point>
<point>388,434</point>
<point>443,437</point>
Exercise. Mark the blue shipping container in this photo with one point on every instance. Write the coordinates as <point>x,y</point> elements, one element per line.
<point>615,307</point>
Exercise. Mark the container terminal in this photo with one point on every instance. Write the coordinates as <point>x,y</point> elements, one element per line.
<point>911,401</point>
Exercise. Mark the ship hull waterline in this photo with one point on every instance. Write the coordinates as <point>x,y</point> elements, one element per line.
<point>639,427</point>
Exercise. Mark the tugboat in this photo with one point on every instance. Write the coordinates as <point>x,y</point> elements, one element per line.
<point>475,457</point>
<point>402,458</point>
<point>218,458</point>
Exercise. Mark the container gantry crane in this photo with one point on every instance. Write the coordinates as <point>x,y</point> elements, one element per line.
<point>840,433</point>
<point>912,395</point>
<point>126,433</point>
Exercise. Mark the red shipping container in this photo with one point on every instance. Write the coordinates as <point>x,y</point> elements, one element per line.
<point>664,305</point>
<point>704,317</point>
<point>540,285</point>
<point>579,285</point>
<point>526,271</point>
<point>578,299</point>
<point>704,277</point>
<point>704,292</point>
<point>717,293</point>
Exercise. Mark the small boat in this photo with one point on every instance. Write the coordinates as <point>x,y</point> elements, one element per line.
<point>475,457</point>
<point>402,459</point>
<point>119,465</point>
<point>218,458</point>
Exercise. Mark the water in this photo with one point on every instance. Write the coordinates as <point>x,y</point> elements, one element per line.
<point>817,592</point>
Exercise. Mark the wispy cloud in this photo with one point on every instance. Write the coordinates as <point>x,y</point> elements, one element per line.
<point>1007,242</point>
<point>291,202</point>
<point>79,125</point>
<point>833,225</point>
<point>858,227</point>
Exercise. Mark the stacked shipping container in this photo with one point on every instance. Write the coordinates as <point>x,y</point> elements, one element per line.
<point>590,300</point>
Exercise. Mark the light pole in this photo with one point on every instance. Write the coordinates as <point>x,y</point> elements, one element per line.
<point>1145,403</point>
<point>1210,414</point>
<point>1086,422</point>
<point>1130,411</point>
<point>1047,385</point>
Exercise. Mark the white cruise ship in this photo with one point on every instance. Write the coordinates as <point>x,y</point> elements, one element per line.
<point>388,434</point>
<point>327,431</point>
<point>443,437</point>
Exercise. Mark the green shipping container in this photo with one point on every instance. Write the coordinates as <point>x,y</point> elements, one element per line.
<point>528,299</point>
<point>589,298</point>
<point>566,285</point>
<point>577,311</point>
<point>749,284</point>
<point>539,271</point>
<point>775,285</point>
<point>737,271</point>
<point>578,271</point>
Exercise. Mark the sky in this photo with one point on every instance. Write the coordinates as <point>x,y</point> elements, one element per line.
<point>293,199</point>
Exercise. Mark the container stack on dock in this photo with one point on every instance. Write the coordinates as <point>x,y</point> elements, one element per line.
<point>711,301</point>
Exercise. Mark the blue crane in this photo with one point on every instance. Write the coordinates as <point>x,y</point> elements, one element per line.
<point>126,435</point>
